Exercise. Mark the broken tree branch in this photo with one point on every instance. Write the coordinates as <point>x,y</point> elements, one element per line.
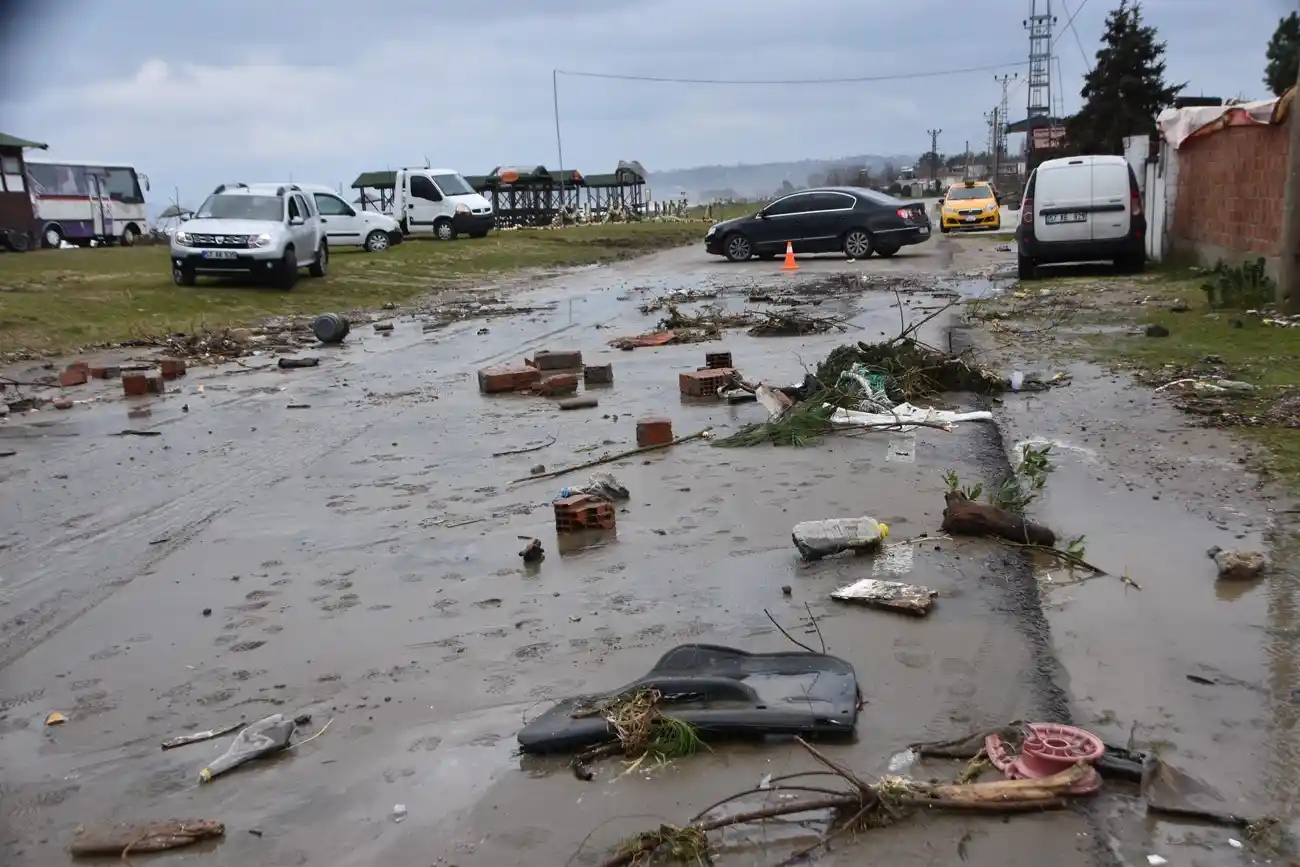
<point>525,450</point>
<point>609,459</point>
<point>965,517</point>
<point>786,634</point>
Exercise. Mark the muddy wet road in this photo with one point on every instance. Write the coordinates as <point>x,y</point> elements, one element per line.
<point>359,558</point>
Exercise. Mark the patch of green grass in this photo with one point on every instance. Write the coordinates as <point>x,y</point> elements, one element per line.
<point>55,301</point>
<point>1262,355</point>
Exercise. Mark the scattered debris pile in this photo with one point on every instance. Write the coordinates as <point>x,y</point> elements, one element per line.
<point>677,296</point>
<point>879,378</point>
<point>851,807</point>
<point>794,323</point>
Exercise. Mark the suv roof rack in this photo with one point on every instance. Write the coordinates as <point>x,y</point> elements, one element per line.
<point>221,188</point>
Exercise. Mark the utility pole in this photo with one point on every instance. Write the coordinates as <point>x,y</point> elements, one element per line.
<point>966,171</point>
<point>1288,284</point>
<point>934,155</point>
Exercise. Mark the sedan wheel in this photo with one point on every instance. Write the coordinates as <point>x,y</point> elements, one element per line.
<point>738,248</point>
<point>857,244</point>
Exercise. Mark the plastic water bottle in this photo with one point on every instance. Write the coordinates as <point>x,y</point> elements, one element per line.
<point>1017,380</point>
<point>817,539</point>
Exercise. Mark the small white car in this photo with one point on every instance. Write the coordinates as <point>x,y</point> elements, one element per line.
<point>266,230</point>
<point>348,226</point>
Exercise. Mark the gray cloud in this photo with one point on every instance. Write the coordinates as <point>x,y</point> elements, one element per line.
<point>195,94</point>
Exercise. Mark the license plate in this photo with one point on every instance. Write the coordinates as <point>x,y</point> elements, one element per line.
<point>1072,217</point>
<point>925,230</point>
<point>219,254</point>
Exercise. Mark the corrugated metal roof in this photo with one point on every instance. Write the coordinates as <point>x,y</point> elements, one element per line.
<point>375,180</point>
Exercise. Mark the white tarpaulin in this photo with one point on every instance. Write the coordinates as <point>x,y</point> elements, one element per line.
<point>903,414</point>
<point>1176,125</point>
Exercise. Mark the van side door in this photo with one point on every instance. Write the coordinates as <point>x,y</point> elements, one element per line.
<point>423,204</point>
<point>341,223</point>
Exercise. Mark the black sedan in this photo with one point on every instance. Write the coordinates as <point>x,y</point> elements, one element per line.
<point>848,220</point>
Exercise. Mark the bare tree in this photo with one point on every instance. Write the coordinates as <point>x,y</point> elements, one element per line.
<point>889,173</point>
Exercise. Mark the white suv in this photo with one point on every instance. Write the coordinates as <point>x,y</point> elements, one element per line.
<point>267,230</point>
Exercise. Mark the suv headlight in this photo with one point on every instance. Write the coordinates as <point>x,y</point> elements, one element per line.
<point>259,240</point>
<point>181,238</point>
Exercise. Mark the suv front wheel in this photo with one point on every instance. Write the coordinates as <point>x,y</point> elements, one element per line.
<point>287,269</point>
<point>321,266</point>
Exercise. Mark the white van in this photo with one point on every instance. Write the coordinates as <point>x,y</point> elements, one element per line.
<point>441,203</point>
<point>1081,209</point>
<point>347,226</point>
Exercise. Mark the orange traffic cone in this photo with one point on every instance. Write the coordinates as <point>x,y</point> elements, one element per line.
<point>790,263</point>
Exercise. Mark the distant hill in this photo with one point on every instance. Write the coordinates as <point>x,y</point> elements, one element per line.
<point>706,183</point>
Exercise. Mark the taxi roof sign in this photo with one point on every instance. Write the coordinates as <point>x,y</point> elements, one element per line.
<point>969,183</point>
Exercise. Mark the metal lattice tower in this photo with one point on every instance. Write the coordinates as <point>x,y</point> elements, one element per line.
<point>1039,24</point>
<point>1000,143</point>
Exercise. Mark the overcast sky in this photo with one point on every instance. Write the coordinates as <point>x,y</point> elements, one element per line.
<point>195,93</point>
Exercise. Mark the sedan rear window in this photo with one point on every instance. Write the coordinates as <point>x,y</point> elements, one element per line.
<point>980,191</point>
<point>879,198</point>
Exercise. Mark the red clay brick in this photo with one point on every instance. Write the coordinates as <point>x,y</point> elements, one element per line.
<point>78,365</point>
<point>717,360</point>
<point>110,372</point>
<point>704,383</point>
<point>583,512</point>
<point>172,368</point>
<point>493,380</point>
<point>73,376</point>
<point>598,374</point>
<point>135,384</point>
<point>559,384</point>
<point>563,359</point>
<point>654,431</point>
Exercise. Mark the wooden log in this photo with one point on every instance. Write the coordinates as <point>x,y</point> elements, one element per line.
<point>125,837</point>
<point>1009,791</point>
<point>965,517</point>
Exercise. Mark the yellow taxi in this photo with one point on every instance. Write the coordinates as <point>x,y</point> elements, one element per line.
<point>970,205</point>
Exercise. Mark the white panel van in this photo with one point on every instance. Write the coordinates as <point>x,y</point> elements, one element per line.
<point>1081,209</point>
<point>441,203</point>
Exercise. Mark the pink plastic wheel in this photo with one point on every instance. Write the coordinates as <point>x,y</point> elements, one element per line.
<point>1051,748</point>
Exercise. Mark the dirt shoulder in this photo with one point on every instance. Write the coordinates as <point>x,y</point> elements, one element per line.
<point>1161,447</point>
<point>63,301</point>
<point>1227,367</point>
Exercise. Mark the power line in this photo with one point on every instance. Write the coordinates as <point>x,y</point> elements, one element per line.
<point>859,79</point>
<point>1069,25</point>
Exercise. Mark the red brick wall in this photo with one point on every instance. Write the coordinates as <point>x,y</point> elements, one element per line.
<point>1230,185</point>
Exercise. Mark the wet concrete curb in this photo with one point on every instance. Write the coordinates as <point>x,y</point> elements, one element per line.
<point>1013,574</point>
